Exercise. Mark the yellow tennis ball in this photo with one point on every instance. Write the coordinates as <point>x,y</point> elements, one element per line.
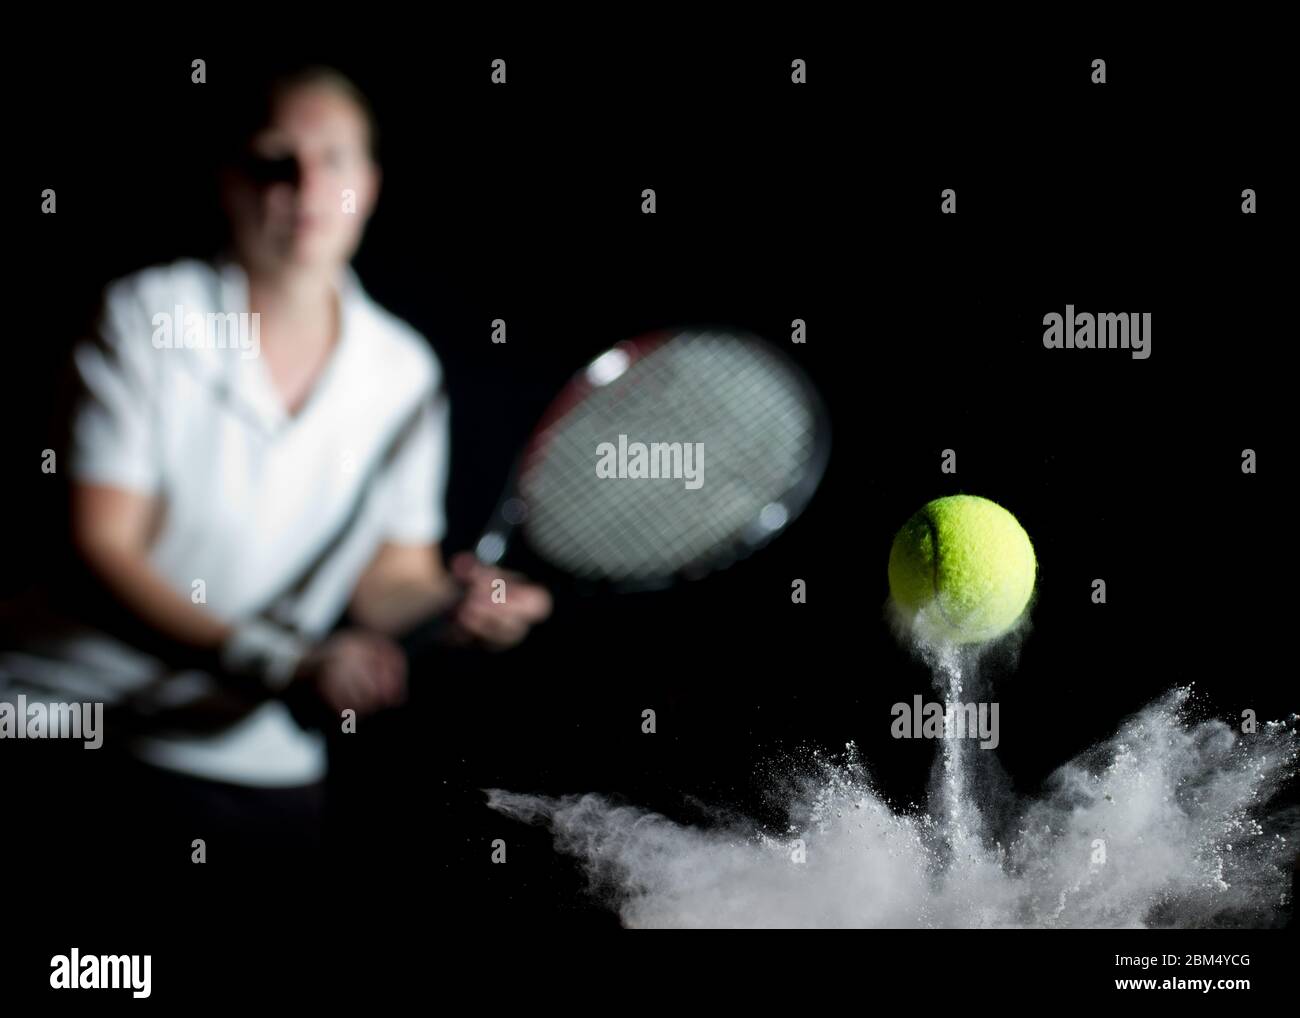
<point>962,569</point>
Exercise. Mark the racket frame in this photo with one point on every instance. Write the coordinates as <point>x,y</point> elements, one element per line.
<point>512,509</point>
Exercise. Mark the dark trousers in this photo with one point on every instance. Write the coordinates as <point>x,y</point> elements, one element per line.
<point>96,850</point>
<point>100,811</point>
<point>240,826</point>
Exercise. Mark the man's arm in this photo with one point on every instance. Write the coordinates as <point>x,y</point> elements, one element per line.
<point>110,532</point>
<point>111,529</point>
<point>405,584</point>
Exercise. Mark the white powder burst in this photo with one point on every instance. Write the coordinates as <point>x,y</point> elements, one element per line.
<point>1162,825</point>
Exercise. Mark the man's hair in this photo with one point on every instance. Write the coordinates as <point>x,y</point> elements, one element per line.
<point>249,109</point>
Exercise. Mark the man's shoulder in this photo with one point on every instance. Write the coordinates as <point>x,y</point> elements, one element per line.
<point>401,349</point>
<point>158,288</point>
<point>131,305</point>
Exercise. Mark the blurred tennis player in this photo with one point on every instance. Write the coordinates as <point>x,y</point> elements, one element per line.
<point>235,499</point>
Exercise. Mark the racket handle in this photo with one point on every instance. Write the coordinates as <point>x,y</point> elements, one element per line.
<point>489,549</point>
<point>432,632</point>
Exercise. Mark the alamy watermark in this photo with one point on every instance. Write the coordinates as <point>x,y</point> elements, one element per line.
<point>920,720</point>
<point>683,461</point>
<point>74,971</point>
<point>179,329</point>
<point>1107,331</point>
<point>41,720</point>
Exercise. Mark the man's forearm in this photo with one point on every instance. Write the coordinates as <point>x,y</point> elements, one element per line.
<point>162,621</point>
<point>395,607</point>
<point>137,588</point>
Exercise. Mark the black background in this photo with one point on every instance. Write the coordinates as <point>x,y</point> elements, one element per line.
<point>775,203</point>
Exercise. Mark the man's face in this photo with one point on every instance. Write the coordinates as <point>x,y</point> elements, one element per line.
<point>289,204</point>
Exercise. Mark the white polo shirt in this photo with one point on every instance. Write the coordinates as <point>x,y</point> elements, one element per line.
<point>263,513</point>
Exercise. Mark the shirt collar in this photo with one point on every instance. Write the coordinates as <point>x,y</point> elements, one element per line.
<point>245,378</point>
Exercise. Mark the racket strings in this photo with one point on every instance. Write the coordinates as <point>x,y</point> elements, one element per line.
<point>743,405</point>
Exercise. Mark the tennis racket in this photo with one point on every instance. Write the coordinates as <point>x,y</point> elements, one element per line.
<point>667,457</point>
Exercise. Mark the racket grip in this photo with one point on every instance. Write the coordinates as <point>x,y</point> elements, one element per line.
<point>435,631</point>
<point>438,630</point>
